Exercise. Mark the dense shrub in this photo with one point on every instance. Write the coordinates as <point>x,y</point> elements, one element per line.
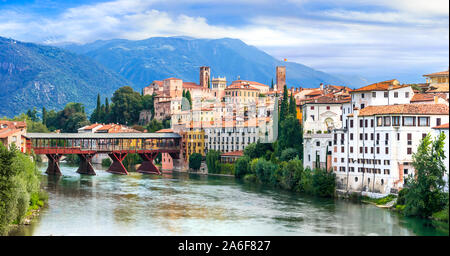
<point>195,160</point>
<point>106,162</point>
<point>227,168</point>
<point>213,161</point>
<point>323,183</point>
<point>289,154</point>
<point>19,183</point>
<point>264,170</point>
<point>242,167</point>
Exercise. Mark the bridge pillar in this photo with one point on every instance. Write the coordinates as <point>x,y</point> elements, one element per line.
<point>147,165</point>
<point>53,164</point>
<point>86,164</point>
<point>117,166</point>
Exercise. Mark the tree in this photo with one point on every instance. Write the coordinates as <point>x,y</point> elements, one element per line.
<point>148,103</point>
<point>289,154</point>
<point>323,183</point>
<point>284,108</point>
<point>213,161</point>
<point>44,115</point>
<point>106,113</point>
<point>32,114</point>
<point>127,105</point>
<point>95,117</point>
<point>242,167</point>
<point>264,170</point>
<point>291,135</point>
<point>195,160</point>
<point>188,97</point>
<point>425,191</point>
<point>271,84</point>
<point>292,106</point>
<point>154,125</point>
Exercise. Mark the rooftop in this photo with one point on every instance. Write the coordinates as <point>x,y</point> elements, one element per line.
<point>419,109</point>
<point>442,126</point>
<point>102,135</point>
<point>382,86</point>
<point>442,73</point>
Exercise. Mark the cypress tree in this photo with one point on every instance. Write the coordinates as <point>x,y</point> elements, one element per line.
<point>292,106</point>
<point>284,109</point>
<point>44,116</point>
<point>271,85</point>
<point>188,97</point>
<point>105,118</point>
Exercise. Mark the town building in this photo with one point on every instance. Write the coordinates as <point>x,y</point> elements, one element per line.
<point>373,154</point>
<point>12,132</point>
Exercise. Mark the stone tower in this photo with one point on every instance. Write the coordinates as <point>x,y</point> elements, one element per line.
<point>204,76</point>
<point>281,78</point>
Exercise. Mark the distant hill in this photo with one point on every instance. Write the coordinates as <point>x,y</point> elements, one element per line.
<point>158,58</point>
<point>33,75</point>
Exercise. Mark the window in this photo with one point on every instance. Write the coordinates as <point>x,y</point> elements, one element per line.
<point>362,106</point>
<point>342,160</point>
<point>374,94</point>
<point>424,135</point>
<point>366,123</point>
<point>356,179</point>
<point>371,136</point>
<point>409,151</point>
<point>365,150</point>
<point>351,123</point>
<point>387,121</point>
<point>371,150</point>
<point>405,171</point>
<point>362,95</point>
<point>328,107</point>
<point>387,136</point>
<point>396,121</point>
<point>398,136</point>
<point>386,150</point>
<point>365,136</point>
<point>371,123</point>
<point>312,117</point>
<point>361,136</point>
<point>361,122</point>
<point>386,94</point>
<point>351,136</point>
<point>360,150</point>
<point>351,149</point>
<point>342,149</point>
<point>409,138</point>
<point>409,121</point>
<point>379,121</point>
<point>378,150</point>
<point>395,94</point>
<point>318,143</point>
<point>438,121</point>
<point>312,107</point>
<point>423,121</point>
<point>406,94</point>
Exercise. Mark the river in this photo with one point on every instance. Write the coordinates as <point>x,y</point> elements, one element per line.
<point>189,204</point>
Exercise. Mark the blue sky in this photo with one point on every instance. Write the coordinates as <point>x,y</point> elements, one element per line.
<point>375,39</point>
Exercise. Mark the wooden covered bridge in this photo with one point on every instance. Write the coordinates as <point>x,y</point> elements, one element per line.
<point>116,145</point>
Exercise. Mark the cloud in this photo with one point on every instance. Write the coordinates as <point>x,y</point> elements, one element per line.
<point>346,38</point>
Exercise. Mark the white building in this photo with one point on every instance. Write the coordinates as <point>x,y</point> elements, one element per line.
<point>374,152</point>
<point>320,116</point>
<point>444,129</point>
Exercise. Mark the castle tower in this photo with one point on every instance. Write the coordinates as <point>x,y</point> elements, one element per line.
<point>204,76</point>
<point>281,78</point>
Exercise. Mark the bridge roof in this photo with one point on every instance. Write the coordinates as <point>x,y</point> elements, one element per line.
<point>89,135</point>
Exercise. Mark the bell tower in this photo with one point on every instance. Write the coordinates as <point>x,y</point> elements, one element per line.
<point>204,76</point>
<point>281,78</point>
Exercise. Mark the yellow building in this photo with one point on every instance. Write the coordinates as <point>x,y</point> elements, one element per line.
<point>437,78</point>
<point>194,142</point>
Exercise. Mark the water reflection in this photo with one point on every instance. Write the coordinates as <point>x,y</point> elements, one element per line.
<point>189,204</point>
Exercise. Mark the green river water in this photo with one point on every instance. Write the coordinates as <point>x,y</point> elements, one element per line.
<point>189,204</point>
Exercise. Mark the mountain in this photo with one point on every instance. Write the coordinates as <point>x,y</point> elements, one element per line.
<point>33,75</point>
<point>158,58</point>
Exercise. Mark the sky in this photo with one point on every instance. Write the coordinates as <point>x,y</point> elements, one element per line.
<point>374,39</point>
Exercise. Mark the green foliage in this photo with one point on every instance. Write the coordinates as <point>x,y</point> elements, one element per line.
<point>257,150</point>
<point>291,174</point>
<point>379,201</point>
<point>213,161</point>
<point>264,170</point>
<point>323,183</point>
<point>106,162</point>
<point>19,182</point>
<point>195,160</point>
<point>251,178</point>
<point>148,103</point>
<point>292,106</point>
<point>131,160</point>
<point>402,196</point>
<point>242,166</point>
<point>425,195</point>
<point>291,135</point>
<point>189,98</point>
<point>32,114</point>
<point>227,168</point>
<point>73,159</point>
<point>288,154</point>
<point>32,126</point>
<point>126,106</point>
<point>69,119</point>
<point>441,215</point>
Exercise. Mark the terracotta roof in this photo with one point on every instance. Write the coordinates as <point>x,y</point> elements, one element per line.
<point>442,126</point>
<point>442,73</point>
<point>241,86</point>
<point>13,124</point>
<point>325,99</point>
<point>191,85</point>
<point>419,97</point>
<point>90,127</point>
<point>314,92</point>
<point>164,130</point>
<point>172,78</point>
<point>6,132</point>
<point>249,82</point>
<point>420,109</point>
<point>438,88</point>
<point>382,86</point>
<point>233,153</point>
